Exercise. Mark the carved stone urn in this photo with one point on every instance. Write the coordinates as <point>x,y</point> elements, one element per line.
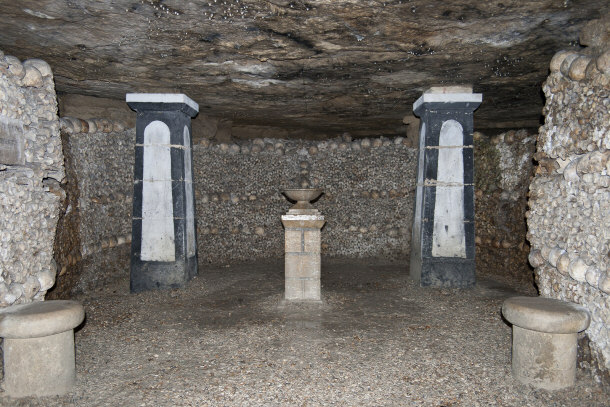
<point>302,196</point>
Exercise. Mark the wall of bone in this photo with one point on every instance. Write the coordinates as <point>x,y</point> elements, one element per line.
<point>368,200</point>
<point>570,195</point>
<point>31,169</point>
<point>238,192</point>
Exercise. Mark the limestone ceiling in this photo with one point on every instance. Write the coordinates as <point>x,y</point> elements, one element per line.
<point>322,66</point>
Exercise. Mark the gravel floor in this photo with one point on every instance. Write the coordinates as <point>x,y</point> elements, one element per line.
<point>228,339</point>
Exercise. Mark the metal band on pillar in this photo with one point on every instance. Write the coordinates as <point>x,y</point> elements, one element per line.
<point>164,238</point>
<point>442,247</point>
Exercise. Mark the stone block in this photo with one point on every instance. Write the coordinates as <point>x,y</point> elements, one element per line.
<point>293,241</point>
<point>302,266</point>
<point>38,347</point>
<point>545,340</point>
<point>312,289</point>
<point>544,360</point>
<point>311,241</point>
<point>293,289</point>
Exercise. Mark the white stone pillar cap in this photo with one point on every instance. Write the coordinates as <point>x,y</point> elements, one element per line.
<point>302,217</point>
<point>161,98</point>
<point>448,94</point>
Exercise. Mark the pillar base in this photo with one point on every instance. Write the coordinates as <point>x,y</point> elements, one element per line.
<point>161,275</point>
<point>38,347</point>
<point>444,272</point>
<point>544,360</point>
<point>302,255</point>
<point>544,340</point>
<point>39,366</point>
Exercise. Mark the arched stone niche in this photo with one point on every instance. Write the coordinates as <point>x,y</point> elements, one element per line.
<point>448,237</point>
<point>157,240</point>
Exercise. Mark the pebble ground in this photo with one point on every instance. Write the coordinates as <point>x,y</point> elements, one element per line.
<point>228,339</point>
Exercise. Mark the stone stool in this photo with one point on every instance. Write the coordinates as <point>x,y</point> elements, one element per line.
<point>39,347</point>
<point>544,340</point>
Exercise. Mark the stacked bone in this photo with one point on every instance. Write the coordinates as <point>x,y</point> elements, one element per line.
<point>503,172</point>
<point>570,195</point>
<point>73,125</point>
<point>30,194</point>
<point>101,154</point>
<point>238,202</point>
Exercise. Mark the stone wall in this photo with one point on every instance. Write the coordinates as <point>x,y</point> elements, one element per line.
<point>568,219</point>
<point>368,188</point>
<point>31,167</point>
<point>368,201</point>
<point>99,165</point>
<point>368,196</point>
<point>503,171</point>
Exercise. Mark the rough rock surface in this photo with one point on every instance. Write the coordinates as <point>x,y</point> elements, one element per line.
<point>30,193</point>
<point>503,171</point>
<point>319,67</point>
<point>67,246</point>
<point>570,195</point>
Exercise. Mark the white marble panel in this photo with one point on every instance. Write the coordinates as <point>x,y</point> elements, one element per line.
<point>420,174</point>
<point>188,189</point>
<point>156,199</point>
<point>158,241</point>
<point>449,238</point>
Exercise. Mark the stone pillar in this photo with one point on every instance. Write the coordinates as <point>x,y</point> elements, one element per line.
<point>164,238</point>
<point>302,251</point>
<point>442,247</point>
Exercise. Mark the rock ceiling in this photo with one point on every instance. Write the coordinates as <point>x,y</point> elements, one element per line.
<point>318,66</point>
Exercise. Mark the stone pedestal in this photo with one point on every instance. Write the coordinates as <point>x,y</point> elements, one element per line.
<point>164,238</point>
<point>545,340</point>
<point>38,347</point>
<point>442,247</point>
<point>302,251</point>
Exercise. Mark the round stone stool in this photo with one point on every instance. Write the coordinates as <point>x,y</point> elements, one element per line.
<point>544,340</point>
<point>39,347</point>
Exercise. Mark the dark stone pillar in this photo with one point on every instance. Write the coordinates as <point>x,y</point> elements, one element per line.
<point>164,238</point>
<point>442,247</point>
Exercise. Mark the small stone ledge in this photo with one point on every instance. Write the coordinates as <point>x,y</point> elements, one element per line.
<point>73,125</point>
<point>580,67</point>
<point>570,266</point>
<point>341,144</point>
<point>107,243</point>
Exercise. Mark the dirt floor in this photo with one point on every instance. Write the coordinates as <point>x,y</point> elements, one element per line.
<point>228,339</point>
